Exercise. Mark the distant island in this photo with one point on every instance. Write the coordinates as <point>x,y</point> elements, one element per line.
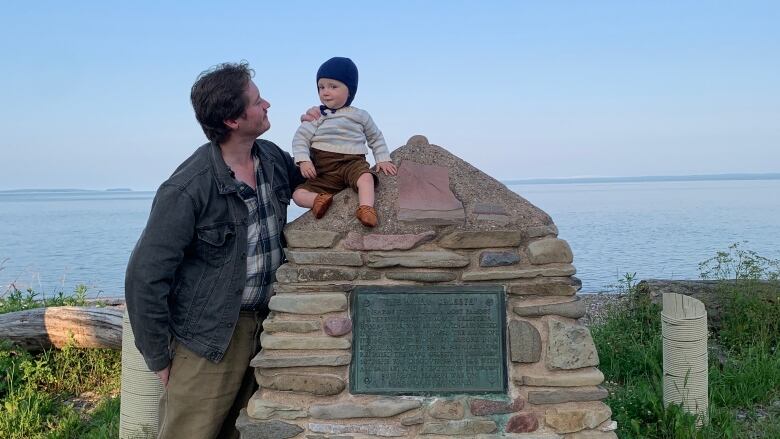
<point>646,179</point>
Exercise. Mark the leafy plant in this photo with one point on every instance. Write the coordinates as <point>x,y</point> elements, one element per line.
<point>737,263</point>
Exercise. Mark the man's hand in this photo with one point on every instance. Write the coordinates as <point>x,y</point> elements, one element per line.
<point>163,375</point>
<point>387,167</point>
<point>307,169</point>
<point>311,114</point>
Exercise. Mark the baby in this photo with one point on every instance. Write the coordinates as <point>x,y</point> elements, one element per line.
<point>331,150</point>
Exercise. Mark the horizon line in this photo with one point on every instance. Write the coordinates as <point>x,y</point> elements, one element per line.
<point>535,180</point>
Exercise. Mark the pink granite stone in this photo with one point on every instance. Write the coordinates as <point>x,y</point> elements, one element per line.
<point>485,407</point>
<point>337,326</point>
<point>354,241</point>
<point>522,423</point>
<point>425,187</point>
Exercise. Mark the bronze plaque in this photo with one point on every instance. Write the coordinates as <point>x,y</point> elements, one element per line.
<point>426,340</point>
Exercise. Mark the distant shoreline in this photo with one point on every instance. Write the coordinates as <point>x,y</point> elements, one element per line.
<point>647,178</point>
<point>560,180</point>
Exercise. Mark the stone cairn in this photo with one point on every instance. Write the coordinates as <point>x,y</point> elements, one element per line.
<point>442,222</point>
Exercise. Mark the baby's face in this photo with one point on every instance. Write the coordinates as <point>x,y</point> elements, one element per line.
<point>333,93</point>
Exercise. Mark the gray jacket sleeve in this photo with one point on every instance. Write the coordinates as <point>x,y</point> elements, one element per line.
<point>152,268</point>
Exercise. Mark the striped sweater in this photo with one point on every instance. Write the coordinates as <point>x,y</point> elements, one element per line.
<point>345,131</point>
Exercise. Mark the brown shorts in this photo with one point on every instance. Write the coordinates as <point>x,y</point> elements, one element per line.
<point>336,171</point>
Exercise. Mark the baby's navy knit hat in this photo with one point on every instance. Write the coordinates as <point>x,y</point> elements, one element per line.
<point>341,69</point>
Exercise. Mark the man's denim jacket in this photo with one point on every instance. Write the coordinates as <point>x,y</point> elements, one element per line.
<point>187,272</point>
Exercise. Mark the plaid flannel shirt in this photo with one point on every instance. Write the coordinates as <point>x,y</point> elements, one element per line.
<point>264,252</point>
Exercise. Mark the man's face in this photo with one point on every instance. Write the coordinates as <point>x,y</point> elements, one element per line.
<point>255,118</point>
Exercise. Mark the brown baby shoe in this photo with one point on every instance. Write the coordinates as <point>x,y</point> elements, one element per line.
<point>367,216</point>
<point>321,204</point>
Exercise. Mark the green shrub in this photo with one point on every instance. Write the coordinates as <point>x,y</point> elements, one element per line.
<point>18,300</point>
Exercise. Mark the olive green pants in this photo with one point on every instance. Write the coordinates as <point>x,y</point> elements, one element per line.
<point>203,399</point>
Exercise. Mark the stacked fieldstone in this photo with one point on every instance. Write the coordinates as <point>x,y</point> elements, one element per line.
<point>442,222</point>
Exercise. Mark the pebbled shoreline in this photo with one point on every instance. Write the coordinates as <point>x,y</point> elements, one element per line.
<point>596,305</point>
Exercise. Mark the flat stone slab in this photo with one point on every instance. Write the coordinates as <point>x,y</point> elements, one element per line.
<point>525,342</point>
<point>422,276</point>
<point>540,231</point>
<point>579,377</point>
<point>268,341</point>
<point>550,251</point>
<point>431,217</point>
<point>565,394</point>
<point>552,286</point>
<point>570,420</point>
<point>569,346</point>
<point>415,418</point>
<point>308,383</point>
<point>573,309</point>
<point>253,429</point>
<point>311,304</point>
<point>498,259</point>
<point>310,239</point>
<point>447,409</point>
<point>288,273</point>
<point>352,259</point>
<point>296,326</point>
<point>264,360</point>
<point>259,408</point>
<point>356,241</point>
<point>329,287</point>
<point>498,219</point>
<point>370,275</point>
<point>430,259</point>
<point>490,209</point>
<point>592,434</point>
<point>383,430</point>
<point>482,239</point>
<point>487,407</point>
<point>381,408</point>
<point>547,271</point>
<point>466,427</point>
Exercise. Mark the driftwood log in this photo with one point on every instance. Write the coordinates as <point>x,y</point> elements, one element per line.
<point>52,327</point>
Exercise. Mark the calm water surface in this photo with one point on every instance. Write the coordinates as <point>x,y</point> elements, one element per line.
<point>54,241</point>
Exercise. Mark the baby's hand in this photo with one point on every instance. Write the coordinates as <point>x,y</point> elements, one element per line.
<point>387,167</point>
<point>307,169</point>
<point>311,114</point>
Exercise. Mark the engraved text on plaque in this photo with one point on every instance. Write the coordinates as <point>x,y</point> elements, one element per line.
<point>413,340</point>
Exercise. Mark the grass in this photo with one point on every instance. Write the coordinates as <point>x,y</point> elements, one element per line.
<point>66,393</point>
<point>744,366</point>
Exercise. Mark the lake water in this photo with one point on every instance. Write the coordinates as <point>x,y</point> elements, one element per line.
<point>54,241</point>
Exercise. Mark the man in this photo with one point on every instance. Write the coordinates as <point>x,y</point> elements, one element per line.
<point>199,279</point>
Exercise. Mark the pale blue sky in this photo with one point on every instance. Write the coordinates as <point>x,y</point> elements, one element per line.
<point>96,94</point>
